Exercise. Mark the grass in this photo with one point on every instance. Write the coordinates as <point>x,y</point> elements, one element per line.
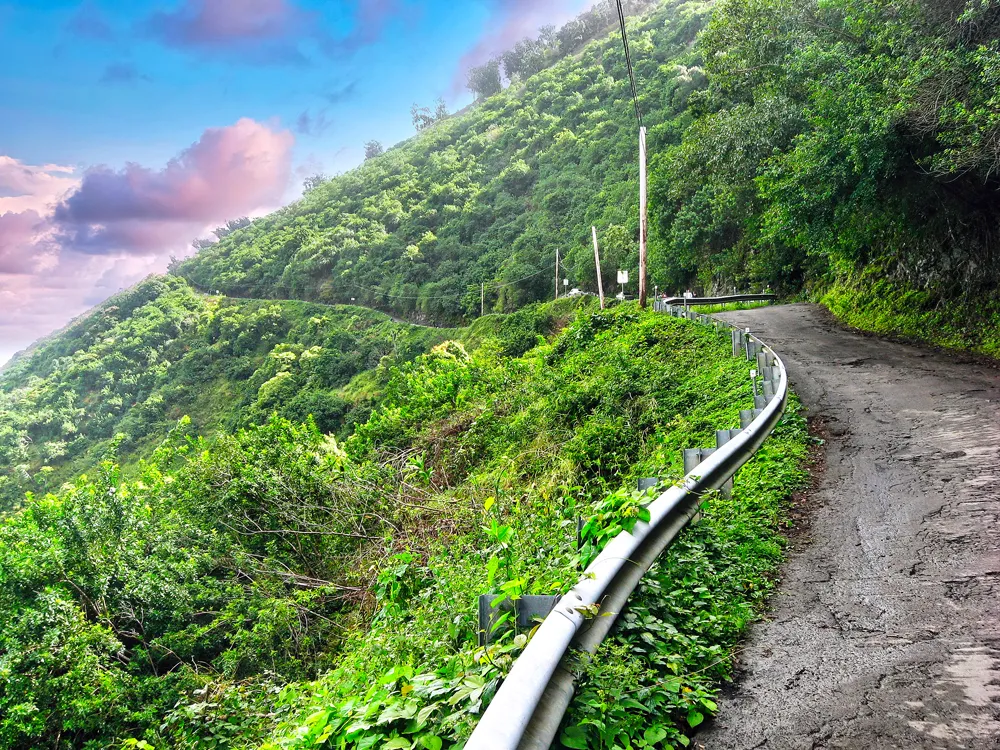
<point>873,303</point>
<point>729,307</point>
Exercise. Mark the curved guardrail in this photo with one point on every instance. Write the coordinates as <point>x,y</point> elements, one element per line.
<point>662,304</point>
<point>530,704</point>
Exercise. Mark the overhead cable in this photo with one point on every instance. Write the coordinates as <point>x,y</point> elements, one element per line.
<point>628,63</point>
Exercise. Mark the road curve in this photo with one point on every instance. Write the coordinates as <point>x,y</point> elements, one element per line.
<point>885,632</point>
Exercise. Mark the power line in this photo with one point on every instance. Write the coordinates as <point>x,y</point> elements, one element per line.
<point>628,62</point>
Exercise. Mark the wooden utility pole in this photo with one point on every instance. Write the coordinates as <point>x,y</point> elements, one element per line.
<point>643,217</point>
<point>597,262</point>
<point>557,274</point>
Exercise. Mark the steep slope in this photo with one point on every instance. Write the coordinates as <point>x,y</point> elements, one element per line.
<point>119,379</point>
<point>486,197</point>
<point>194,601</point>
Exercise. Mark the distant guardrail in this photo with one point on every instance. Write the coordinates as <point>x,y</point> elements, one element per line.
<point>527,710</point>
<point>662,304</point>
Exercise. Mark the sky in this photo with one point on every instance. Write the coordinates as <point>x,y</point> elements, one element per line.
<point>130,127</point>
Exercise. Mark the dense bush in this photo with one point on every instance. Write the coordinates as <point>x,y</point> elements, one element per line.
<point>120,598</point>
<point>839,142</point>
<point>190,603</point>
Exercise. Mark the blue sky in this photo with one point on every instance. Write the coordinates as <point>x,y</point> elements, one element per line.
<point>129,128</point>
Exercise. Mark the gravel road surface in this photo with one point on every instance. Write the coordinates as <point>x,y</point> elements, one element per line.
<point>885,632</point>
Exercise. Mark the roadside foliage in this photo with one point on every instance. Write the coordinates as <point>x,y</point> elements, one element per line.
<point>275,586</point>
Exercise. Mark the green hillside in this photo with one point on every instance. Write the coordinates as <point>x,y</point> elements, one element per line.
<point>121,378</point>
<point>486,197</point>
<point>274,585</point>
<point>243,506</point>
<point>846,149</point>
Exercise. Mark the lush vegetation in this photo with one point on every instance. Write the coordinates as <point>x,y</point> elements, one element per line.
<point>304,574</point>
<point>124,375</point>
<point>810,146</point>
<point>128,371</point>
<point>872,302</point>
<point>847,145</point>
<point>274,585</point>
<point>486,197</point>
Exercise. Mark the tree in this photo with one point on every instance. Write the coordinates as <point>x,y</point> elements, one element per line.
<point>484,80</point>
<point>422,117</point>
<point>311,183</point>
<point>373,149</point>
<point>440,110</point>
<point>231,226</point>
<point>571,36</point>
<point>202,243</point>
<point>547,36</point>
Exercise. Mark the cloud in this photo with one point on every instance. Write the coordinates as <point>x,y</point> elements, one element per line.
<point>68,242</point>
<point>26,187</point>
<point>267,31</point>
<point>309,124</point>
<point>263,31</point>
<point>23,246</point>
<point>229,172</point>
<point>371,17</point>
<point>27,196</point>
<point>122,72</point>
<point>89,22</point>
<point>342,93</point>
<point>512,20</point>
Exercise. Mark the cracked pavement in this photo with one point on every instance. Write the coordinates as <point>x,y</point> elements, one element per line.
<point>885,631</point>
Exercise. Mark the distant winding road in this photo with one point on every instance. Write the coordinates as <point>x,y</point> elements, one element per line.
<point>886,628</point>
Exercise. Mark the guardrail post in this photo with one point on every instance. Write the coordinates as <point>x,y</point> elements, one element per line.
<point>764,360</point>
<point>721,438</point>
<point>648,483</point>
<point>692,457</point>
<point>746,417</point>
<point>525,610</point>
<point>768,390</point>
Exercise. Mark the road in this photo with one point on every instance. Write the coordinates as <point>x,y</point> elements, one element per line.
<point>885,632</point>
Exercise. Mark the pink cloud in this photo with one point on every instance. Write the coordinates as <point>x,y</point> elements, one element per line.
<point>61,252</point>
<point>511,21</point>
<point>23,248</point>
<point>229,172</point>
<point>269,30</point>
<point>25,187</point>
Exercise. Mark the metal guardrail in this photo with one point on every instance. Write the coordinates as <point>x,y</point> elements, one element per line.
<point>662,304</point>
<point>528,708</point>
